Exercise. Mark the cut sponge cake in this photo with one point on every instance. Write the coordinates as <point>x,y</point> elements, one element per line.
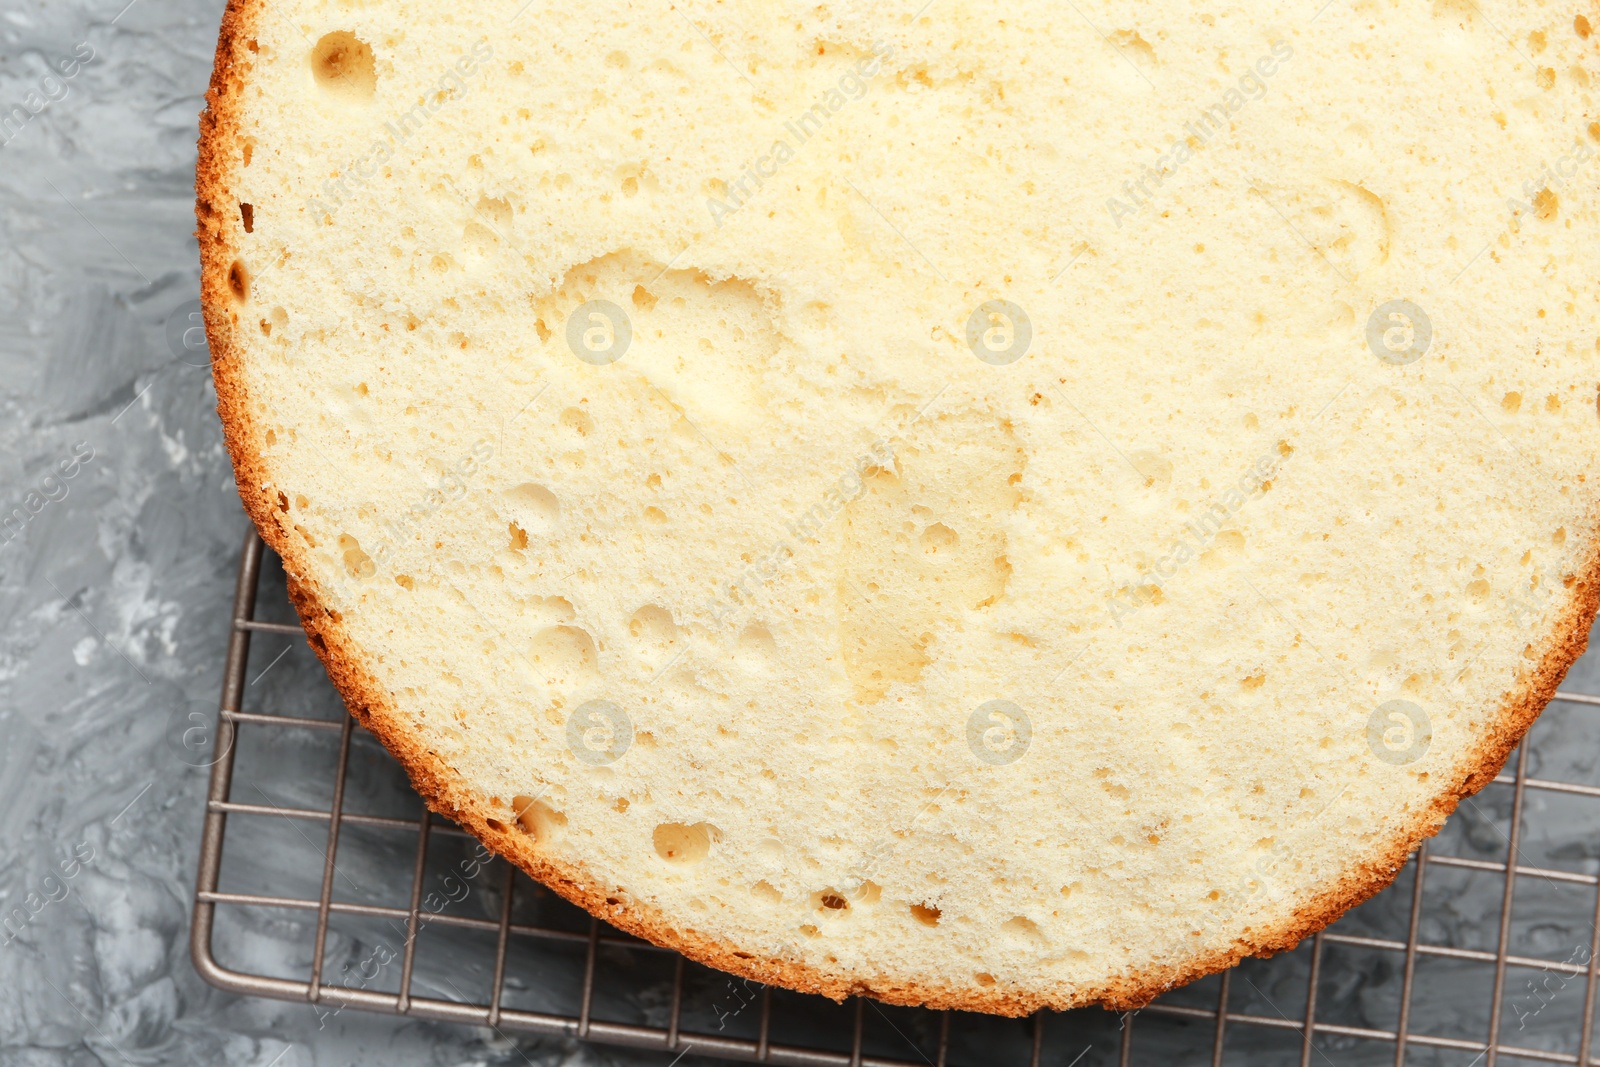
<point>993,506</point>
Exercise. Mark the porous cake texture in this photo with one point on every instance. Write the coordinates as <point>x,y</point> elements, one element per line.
<point>992,505</point>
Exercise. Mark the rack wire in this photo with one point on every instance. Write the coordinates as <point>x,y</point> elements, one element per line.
<point>631,993</point>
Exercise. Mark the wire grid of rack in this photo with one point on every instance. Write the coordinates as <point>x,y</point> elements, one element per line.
<point>1210,1030</point>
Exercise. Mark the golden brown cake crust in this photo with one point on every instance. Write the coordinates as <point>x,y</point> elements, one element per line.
<point>447,794</point>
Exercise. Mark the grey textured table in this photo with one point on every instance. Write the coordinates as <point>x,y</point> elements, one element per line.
<point>117,584</point>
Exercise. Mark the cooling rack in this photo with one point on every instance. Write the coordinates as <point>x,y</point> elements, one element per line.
<point>1484,951</point>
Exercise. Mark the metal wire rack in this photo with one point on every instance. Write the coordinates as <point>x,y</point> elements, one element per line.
<point>544,967</point>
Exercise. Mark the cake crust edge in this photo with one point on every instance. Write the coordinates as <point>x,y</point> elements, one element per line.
<point>449,796</point>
